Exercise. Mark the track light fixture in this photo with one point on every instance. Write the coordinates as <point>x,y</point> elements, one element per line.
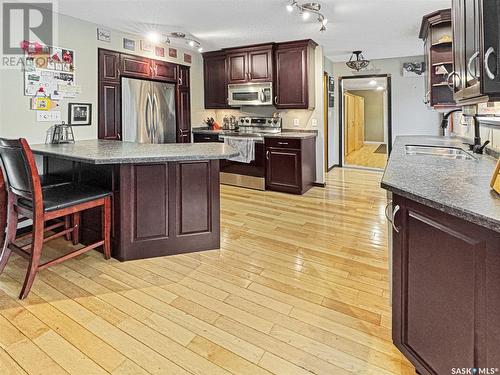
<point>306,10</point>
<point>156,37</point>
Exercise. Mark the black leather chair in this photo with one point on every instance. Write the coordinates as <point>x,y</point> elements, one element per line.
<point>26,197</point>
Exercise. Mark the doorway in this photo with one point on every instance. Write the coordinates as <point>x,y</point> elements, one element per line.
<point>365,121</point>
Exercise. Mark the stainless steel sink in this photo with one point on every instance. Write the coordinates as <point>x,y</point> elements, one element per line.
<point>440,151</point>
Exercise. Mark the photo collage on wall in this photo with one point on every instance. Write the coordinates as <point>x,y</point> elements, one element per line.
<point>50,72</point>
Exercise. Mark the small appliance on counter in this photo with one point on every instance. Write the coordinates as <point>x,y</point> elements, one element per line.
<point>63,133</point>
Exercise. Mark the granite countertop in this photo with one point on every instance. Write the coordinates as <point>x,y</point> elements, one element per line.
<point>283,134</point>
<point>457,187</point>
<point>99,151</point>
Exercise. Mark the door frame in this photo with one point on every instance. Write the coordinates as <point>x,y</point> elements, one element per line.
<point>341,110</point>
<point>326,135</point>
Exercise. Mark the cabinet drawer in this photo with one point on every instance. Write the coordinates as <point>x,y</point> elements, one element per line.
<point>283,143</point>
<point>199,138</point>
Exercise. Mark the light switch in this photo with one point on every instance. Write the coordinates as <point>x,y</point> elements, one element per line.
<point>314,123</point>
<point>296,122</point>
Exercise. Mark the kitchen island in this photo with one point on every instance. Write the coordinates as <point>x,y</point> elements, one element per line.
<point>446,255</point>
<point>165,196</point>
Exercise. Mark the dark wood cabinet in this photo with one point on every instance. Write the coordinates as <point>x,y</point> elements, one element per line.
<point>215,80</point>
<point>204,138</point>
<point>295,75</point>
<point>436,32</point>
<point>109,110</point>
<point>446,274</point>
<point>290,164</point>
<point>164,71</point>
<point>135,66</point>
<point>476,44</point>
<point>113,65</point>
<point>250,64</point>
<point>109,66</point>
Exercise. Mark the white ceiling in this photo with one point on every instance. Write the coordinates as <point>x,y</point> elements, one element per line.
<point>381,28</point>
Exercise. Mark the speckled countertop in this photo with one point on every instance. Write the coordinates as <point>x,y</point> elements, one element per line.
<point>457,187</point>
<point>283,134</point>
<point>118,152</point>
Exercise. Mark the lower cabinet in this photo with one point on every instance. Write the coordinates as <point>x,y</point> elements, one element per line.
<point>205,137</point>
<point>446,290</point>
<point>290,164</point>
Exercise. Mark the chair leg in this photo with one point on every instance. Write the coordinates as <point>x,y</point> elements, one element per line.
<point>10,235</point>
<point>106,227</point>
<point>76,228</point>
<point>67,225</point>
<point>36,252</point>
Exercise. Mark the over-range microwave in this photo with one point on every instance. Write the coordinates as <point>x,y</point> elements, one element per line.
<point>250,94</point>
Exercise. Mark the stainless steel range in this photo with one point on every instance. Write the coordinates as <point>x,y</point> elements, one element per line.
<point>250,175</point>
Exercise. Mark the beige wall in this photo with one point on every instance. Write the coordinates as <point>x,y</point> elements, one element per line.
<point>17,120</point>
<point>374,114</point>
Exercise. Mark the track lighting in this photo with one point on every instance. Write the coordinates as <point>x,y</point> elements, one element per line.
<point>156,37</point>
<point>191,43</point>
<point>200,49</point>
<point>306,10</point>
<point>153,37</point>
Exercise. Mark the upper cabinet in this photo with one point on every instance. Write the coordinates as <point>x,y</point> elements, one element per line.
<point>164,71</point>
<point>295,75</point>
<point>248,65</point>
<point>135,66</point>
<point>476,44</point>
<point>289,66</point>
<point>215,80</point>
<point>436,32</point>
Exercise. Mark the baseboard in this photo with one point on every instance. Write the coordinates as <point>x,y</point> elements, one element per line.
<point>333,166</point>
<point>319,184</point>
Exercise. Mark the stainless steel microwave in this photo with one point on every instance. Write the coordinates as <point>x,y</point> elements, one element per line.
<point>250,94</point>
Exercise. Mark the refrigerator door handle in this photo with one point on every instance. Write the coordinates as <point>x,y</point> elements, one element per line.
<point>156,115</point>
<point>147,114</point>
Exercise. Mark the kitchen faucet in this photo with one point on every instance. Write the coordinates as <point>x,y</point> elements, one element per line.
<point>476,147</point>
<point>444,121</point>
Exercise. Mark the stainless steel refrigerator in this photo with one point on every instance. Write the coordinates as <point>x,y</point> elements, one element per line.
<point>148,111</point>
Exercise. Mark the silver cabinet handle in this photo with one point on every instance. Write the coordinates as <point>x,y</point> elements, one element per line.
<point>451,84</point>
<point>487,55</point>
<point>427,97</point>
<point>469,64</point>
<point>119,136</point>
<point>283,143</point>
<point>151,69</point>
<point>267,154</point>
<point>180,81</point>
<point>394,212</point>
<point>276,99</point>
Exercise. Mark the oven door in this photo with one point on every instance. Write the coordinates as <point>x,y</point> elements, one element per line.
<point>250,94</point>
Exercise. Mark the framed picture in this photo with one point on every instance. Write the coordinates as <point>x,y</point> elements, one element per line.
<point>172,52</point>
<point>146,45</point>
<point>104,35</point>
<point>129,44</point>
<point>160,51</point>
<point>413,69</point>
<point>187,58</point>
<point>331,99</point>
<point>331,84</point>
<point>79,114</point>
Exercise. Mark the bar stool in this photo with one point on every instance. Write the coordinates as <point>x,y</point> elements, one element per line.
<point>27,198</point>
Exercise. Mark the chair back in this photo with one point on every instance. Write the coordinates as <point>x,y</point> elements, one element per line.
<point>19,168</point>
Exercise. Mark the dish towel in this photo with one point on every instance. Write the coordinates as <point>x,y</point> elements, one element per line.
<point>245,147</point>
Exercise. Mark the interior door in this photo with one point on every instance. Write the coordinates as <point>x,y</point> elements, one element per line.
<point>349,124</point>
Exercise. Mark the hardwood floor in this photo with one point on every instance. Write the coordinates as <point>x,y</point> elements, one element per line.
<point>299,286</point>
<point>367,157</point>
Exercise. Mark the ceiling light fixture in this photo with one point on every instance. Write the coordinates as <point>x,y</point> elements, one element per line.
<point>357,61</point>
<point>156,37</point>
<point>372,82</point>
<point>380,88</point>
<point>306,10</point>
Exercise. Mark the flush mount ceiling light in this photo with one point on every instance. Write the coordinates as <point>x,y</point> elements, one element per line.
<point>306,10</point>
<point>357,61</point>
<point>156,37</point>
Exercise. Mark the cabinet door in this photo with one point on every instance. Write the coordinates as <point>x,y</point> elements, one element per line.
<point>237,67</point>
<point>442,285</point>
<point>291,78</point>
<point>260,66</point>
<point>491,47</point>
<point>137,67</point>
<point>215,81</point>
<point>283,169</point>
<point>183,116</point>
<point>109,66</point>
<point>164,71</point>
<point>109,126</point>
<point>183,74</point>
<point>459,65</point>
<point>471,45</point>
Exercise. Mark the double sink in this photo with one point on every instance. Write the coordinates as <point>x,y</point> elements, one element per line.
<point>439,151</point>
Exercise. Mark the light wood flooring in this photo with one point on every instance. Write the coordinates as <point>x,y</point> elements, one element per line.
<point>299,286</point>
<point>366,157</point>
